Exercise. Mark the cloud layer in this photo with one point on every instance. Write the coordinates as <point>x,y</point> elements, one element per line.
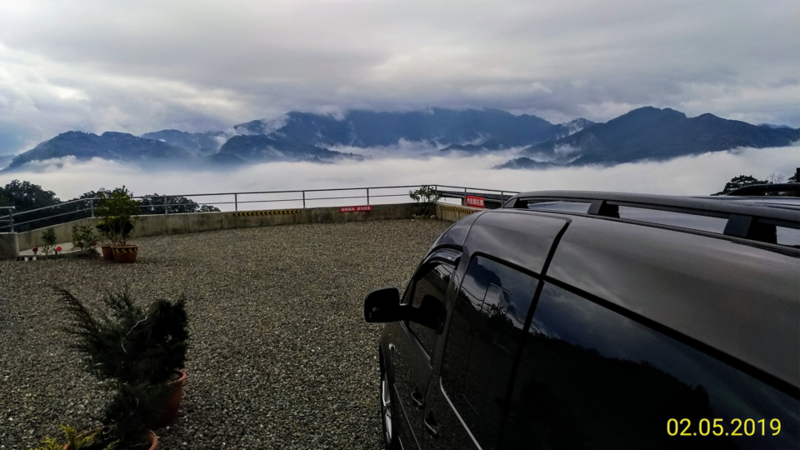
<point>98,65</point>
<point>693,175</point>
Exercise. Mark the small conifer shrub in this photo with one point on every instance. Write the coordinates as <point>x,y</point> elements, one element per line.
<point>134,351</point>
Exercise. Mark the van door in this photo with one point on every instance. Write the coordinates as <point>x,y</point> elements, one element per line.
<point>467,398</point>
<point>413,344</point>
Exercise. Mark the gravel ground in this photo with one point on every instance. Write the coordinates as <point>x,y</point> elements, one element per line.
<point>280,355</point>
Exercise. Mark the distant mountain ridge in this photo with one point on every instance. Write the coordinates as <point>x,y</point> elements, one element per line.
<point>438,126</point>
<point>275,147</point>
<point>644,133</point>
<point>110,145</point>
<point>299,136</point>
<point>200,143</point>
<point>651,134</point>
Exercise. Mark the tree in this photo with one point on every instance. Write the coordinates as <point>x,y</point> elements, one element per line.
<point>739,182</point>
<point>24,195</point>
<point>154,204</point>
<point>426,195</point>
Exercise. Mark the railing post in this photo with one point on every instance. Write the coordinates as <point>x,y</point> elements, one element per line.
<point>11,218</point>
<point>368,196</point>
<point>91,206</point>
<point>236,202</point>
<point>166,205</point>
<point>304,199</point>
<point>502,197</point>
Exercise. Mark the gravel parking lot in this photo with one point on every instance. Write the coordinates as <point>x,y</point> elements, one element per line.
<point>280,355</point>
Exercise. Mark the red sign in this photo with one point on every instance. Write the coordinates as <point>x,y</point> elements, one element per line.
<point>475,202</point>
<point>355,208</point>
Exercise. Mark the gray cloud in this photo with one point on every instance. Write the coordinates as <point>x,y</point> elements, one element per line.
<point>691,175</point>
<point>200,65</point>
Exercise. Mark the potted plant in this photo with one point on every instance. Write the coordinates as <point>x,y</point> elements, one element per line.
<point>74,441</point>
<point>118,211</point>
<point>105,247</point>
<point>137,353</point>
<point>425,196</point>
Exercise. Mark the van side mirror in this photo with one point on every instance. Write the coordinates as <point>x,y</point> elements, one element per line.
<point>383,305</point>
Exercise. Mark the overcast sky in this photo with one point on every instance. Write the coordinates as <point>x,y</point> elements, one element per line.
<point>139,66</point>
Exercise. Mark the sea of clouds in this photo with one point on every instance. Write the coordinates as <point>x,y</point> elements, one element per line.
<point>692,175</point>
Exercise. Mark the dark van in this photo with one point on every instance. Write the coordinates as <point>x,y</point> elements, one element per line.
<point>583,320</point>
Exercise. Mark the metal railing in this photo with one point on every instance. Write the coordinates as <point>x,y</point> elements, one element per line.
<point>10,219</point>
<point>302,198</point>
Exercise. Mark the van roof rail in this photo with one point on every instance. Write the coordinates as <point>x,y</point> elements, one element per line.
<point>753,222</point>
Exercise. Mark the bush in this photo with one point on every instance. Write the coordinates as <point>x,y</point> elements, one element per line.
<point>135,350</point>
<point>84,237</point>
<point>49,239</point>
<point>425,195</point>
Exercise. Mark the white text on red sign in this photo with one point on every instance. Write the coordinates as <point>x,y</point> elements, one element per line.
<point>476,202</point>
<point>355,208</point>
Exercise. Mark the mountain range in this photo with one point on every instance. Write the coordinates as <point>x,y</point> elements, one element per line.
<point>651,134</point>
<point>642,134</point>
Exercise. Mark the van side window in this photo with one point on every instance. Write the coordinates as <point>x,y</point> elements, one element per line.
<point>428,302</point>
<point>482,343</point>
<point>591,378</point>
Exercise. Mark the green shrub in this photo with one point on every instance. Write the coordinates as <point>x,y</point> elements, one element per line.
<point>425,195</point>
<point>75,443</point>
<point>49,239</point>
<point>84,237</point>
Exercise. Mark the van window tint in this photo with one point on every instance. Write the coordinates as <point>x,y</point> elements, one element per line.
<point>430,290</point>
<point>592,378</point>
<point>482,343</point>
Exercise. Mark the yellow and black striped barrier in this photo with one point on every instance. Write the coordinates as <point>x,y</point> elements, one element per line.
<point>459,209</point>
<point>272,212</point>
<point>125,249</point>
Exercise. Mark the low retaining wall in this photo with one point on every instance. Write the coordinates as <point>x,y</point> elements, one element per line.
<point>153,225</point>
<point>8,246</point>
<point>452,213</point>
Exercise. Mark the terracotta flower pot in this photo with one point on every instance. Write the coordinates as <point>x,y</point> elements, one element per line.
<point>108,255</point>
<point>151,438</point>
<point>125,253</point>
<point>169,413</point>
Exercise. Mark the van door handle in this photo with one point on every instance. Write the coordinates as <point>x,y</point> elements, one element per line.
<point>417,397</point>
<point>431,426</point>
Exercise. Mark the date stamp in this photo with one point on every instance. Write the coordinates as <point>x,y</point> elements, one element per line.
<point>721,427</point>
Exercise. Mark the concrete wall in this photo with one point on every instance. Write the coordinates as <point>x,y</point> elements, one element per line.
<point>8,246</point>
<point>153,225</point>
<point>28,239</point>
<point>451,213</point>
